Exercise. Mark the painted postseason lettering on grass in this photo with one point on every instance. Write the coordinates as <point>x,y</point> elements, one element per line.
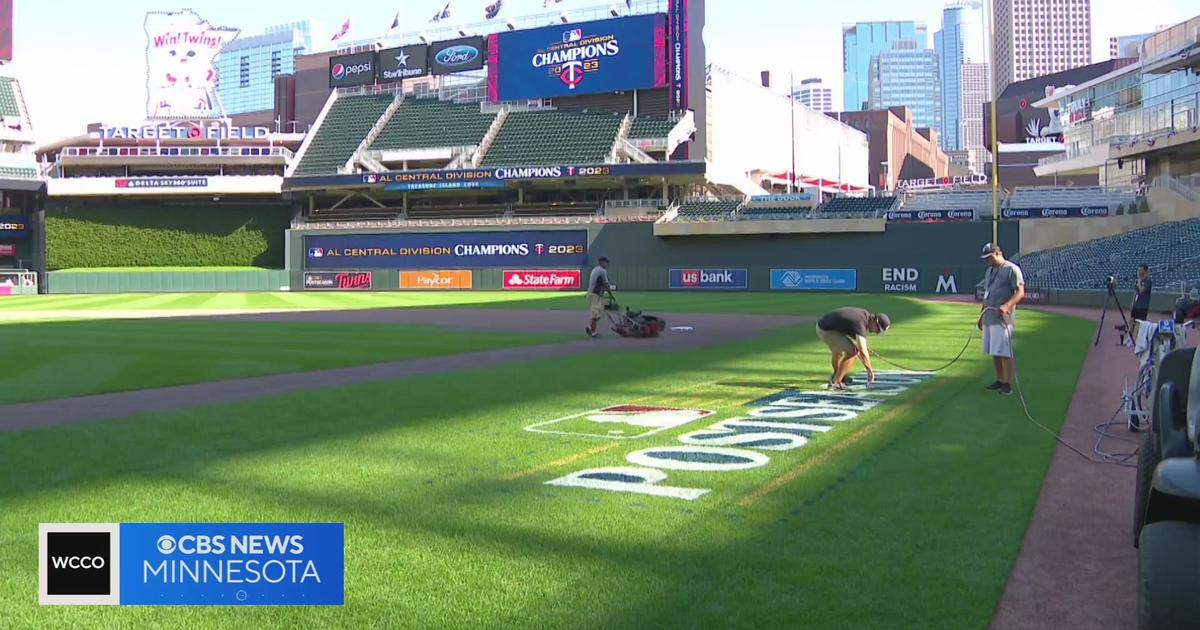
<point>781,422</point>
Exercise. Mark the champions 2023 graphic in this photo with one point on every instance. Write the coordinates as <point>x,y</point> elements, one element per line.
<point>448,250</point>
<point>586,58</point>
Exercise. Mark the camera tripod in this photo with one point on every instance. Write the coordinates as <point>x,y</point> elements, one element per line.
<point>1112,295</point>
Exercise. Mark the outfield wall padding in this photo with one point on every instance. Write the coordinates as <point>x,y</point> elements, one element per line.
<point>166,281</point>
<point>635,245</point>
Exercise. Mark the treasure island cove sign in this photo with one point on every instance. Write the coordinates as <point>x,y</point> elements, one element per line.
<point>779,423</point>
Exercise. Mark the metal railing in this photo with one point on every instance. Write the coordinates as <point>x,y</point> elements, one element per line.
<point>282,152</point>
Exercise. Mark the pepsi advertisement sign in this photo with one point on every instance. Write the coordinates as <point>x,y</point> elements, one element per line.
<point>529,249</point>
<point>709,279</point>
<point>351,70</point>
<point>628,53</point>
<point>456,55</point>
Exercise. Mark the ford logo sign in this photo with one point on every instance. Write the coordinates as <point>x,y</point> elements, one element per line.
<point>457,55</point>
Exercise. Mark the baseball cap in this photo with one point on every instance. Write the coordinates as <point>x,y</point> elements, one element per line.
<point>989,249</point>
<point>885,322</point>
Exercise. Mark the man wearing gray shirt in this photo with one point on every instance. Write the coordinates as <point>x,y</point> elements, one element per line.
<point>597,287</point>
<point>1004,288</point>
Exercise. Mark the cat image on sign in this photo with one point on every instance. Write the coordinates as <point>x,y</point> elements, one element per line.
<point>181,72</point>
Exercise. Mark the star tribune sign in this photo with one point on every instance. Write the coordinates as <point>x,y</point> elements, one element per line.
<point>576,56</point>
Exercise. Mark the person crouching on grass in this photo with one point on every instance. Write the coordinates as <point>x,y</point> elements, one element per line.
<point>844,331</point>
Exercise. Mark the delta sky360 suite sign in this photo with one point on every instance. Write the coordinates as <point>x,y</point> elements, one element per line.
<point>585,58</point>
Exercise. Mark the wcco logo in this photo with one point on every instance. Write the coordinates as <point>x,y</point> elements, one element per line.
<point>77,563</point>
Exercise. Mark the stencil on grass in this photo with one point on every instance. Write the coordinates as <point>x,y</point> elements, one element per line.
<point>621,422</point>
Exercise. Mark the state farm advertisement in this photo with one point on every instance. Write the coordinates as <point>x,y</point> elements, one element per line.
<point>543,280</point>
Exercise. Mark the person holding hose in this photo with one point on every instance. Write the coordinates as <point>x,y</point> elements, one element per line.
<point>1003,290</point>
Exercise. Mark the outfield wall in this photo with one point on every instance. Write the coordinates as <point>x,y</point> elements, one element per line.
<point>914,255</point>
<point>165,281</point>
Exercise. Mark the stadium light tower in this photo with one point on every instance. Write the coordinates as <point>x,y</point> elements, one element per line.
<point>512,26</point>
<point>612,10</point>
<point>564,17</point>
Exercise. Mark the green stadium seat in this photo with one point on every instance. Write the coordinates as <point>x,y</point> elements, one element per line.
<point>555,137</point>
<point>8,98</point>
<point>431,123</point>
<point>348,122</point>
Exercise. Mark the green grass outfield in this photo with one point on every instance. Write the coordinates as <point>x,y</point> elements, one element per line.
<point>908,516</point>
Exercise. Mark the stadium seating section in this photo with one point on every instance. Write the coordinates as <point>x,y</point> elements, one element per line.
<point>348,121</point>
<point>978,200</point>
<point>708,210</point>
<point>646,127</point>
<point>14,172</point>
<point>8,98</point>
<point>531,138</point>
<point>869,206</point>
<point>429,122</point>
<point>1172,250</point>
<point>1072,197</point>
<point>775,213</point>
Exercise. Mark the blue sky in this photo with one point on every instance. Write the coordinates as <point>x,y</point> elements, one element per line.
<point>82,61</point>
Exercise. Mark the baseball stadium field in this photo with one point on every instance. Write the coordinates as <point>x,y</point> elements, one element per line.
<point>452,435</point>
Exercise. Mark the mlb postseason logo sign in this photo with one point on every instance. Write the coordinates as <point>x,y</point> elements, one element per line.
<point>902,216</point>
<point>406,62</point>
<point>1054,213</point>
<point>620,422</point>
<point>585,58</point>
<point>344,281</point>
<point>708,279</point>
<point>814,279</point>
<point>351,70</point>
<point>192,564</point>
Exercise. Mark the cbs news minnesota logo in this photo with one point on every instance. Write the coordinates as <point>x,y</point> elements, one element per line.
<point>191,564</point>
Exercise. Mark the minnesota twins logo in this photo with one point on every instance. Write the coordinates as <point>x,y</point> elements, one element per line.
<point>572,74</point>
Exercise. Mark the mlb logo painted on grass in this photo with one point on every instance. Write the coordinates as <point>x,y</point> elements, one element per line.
<point>621,422</point>
<point>709,279</point>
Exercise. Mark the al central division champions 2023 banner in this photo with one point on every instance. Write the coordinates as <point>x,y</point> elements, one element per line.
<point>448,250</point>
<point>628,53</point>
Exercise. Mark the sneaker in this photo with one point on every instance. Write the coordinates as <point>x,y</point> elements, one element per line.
<point>996,386</point>
<point>837,387</point>
<point>1005,389</point>
<point>591,333</point>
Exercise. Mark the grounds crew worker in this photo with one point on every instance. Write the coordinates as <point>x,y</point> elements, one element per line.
<point>845,332</point>
<point>597,287</point>
<point>1003,289</point>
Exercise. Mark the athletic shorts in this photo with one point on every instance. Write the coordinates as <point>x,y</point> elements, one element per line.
<point>838,343</point>
<point>595,306</point>
<point>1139,313</point>
<point>997,340</point>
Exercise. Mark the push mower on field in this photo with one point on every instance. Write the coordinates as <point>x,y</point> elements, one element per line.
<point>630,323</point>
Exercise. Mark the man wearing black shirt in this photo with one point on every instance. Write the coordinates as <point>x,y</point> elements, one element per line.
<point>844,331</point>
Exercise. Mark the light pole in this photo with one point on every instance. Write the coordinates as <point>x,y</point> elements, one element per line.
<point>792,103</point>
